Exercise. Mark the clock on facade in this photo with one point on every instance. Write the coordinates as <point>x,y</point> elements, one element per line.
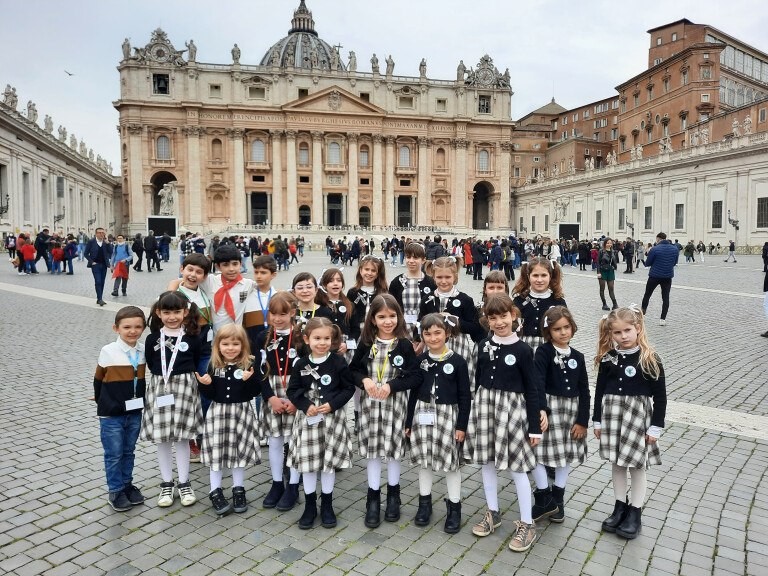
<point>160,52</point>
<point>485,76</point>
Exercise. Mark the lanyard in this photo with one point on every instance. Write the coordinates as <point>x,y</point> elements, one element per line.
<point>264,309</point>
<point>167,370</point>
<point>283,374</point>
<point>380,373</point>
<point>203,311</point>
<point>134,360</point>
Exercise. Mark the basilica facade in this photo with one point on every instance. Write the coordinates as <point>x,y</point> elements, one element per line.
<point>309,137</point>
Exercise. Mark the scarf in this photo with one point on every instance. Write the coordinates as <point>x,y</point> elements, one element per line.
<point>222,296</point>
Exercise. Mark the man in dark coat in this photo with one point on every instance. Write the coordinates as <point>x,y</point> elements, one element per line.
<point>662,260</point>
<point>98,252</point>
<point>629,255</point>
<point>150,250</point>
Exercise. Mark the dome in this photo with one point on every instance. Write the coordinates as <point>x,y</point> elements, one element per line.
<point>299,48</point>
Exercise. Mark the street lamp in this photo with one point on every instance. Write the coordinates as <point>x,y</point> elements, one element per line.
<point>735,224</point>
<point>91,220</point>
<point>629,225</point>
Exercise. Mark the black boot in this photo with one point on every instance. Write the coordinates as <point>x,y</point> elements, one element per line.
<point>605,305</point>
<point>239,502</point>
<point>310,511</point>
<point>392,512</point>
<point>357,421</point>
<point>220,504</point>
<point>544,505</point>
<point>619,512</point>
<point>558,494</point>
<point>289,498</point>
<point>453,518</point>
<point>373,508</point>
<point>274,494</point>
<point>631,525</point>
<point>327,515</point>
<point>424,512</point>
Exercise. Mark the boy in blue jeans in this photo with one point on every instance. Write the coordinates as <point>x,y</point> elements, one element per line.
<point>119,388</point>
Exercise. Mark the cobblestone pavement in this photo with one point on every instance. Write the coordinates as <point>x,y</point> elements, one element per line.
<point>705,512</point>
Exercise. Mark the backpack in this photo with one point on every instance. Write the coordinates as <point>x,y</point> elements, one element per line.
<point>505,254</point>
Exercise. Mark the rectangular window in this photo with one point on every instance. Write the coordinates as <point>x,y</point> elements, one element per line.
<point>303,92</point>
<point>536,159</point>
<point>546,222</point>
<point>586,114</point>
<point>576,117</point>
<point>517,172</point>
<point>365,181</point>
<point>637,100</point>
<point>684,78</point>
<point>598,220</point>
<point>674,36</point>
<point>657,61</point>
<point>257,93</point>
<point>684,123</point>
<point>304,156</point>
<point>365,96</point>
<point>214,90</point>
<point>705,97</point>
<point>521,224</point>
<point>614,105</point>
<point>597,136</point>
<point>666,85</point>
<point>648,224</point>
<point>658,41</point>
<point>650,93</point>
<point>405,102</point>
<point>258,178</point>
<point>160,84</point>
<point>484,105</point>
<point>441,105</point>
<point>614,133</point>
<point>554,125</point>
<point>564,135</point>
<point>762,115</point>
<point>650,134</point>
<point>603,122</point>
<point>363,157</point>
<point>623,106</point>
<point>535,172</point>
<point>622,219</point>
<point>304,179</point>
<point>679,216</point>
<point>565,120</point>
<point>623,146</point>
<point>762,212</point>
<point>578,217</point>
<point>483,160</point>
<point>717,214</point>
<point>533,223</point>
<point>405,183</point>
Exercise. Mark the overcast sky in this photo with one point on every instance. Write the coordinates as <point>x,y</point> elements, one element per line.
<point>583,49</point>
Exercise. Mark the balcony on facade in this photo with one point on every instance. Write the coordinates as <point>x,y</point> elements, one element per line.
<point>335,168</point>
<point>258,166</point>
<point>217,164</point>
<point>405,170</point>
<point>165,163</point>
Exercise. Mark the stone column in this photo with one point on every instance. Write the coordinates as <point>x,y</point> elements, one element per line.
<point>318,217</point>
<point>389,192</point>
<point>194,191</point>
<point>278,217</point>
<point>353,208</point>
<point>16,210</point>
<point>459,200</point>
<point>502,208</point>
<point>292,193</point>
<point>422,210</point>
<point>135,184</point>
<point>241,215</point>
<point>248,210</point>
<point>376,216</point>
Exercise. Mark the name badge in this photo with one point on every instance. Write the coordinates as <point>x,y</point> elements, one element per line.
<point>163,401</point>
<point>313,420</point>
<point>351,345</point>
<point>411,318</point>
<point>134,404</point>
<point>426,417</point>
<point>210,336</point>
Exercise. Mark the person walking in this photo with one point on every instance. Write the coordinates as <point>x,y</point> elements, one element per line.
<point>150,249</point>
<point>82,240</point>
<point>731,250</point>
<point>662,260</point>
<point>629,255</point>
<point>138,250</point>
<point>98,252</point>
<point>607,262</point>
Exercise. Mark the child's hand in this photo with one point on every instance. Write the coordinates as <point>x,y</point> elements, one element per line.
<point>534,441</point>
<point>407,432</point>
<point>597,434</point>
<point>248,373</point>
<point>578,432</point>
<point>324,408</point>
<point>277,405</point>
<point>343,348</point>
<point>460,434</point>
<point>92,398</point>
<point>312,411</point>
<point>599,276</point>
<point>650,439</point>
<point>370,388</point>
<point>418,347</point>
<point>384,392</point>
<point>543,421</point>
<point>206,380</point>
<point>289,407</point>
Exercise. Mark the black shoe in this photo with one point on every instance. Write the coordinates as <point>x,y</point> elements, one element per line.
<point>159,269</point>
<point>632,524</point>
<point>289,498</point>
<point>133,494</point>
<point>453,518</point>
<point>119,501</point>
<point>558,495</point>
<point>220,504</point>
<point>619,512</point>
<point>392,511</point>
<point>310,511</point>
<point>125,293</point>
<point>615,306</point>
<point>424,513</point>
<point>101,302</point>
<point>357,421</point>
<point>239,503</point>
<point>114,293</point>
<point>544,504</point>
<point>274,494</point>
<point>605,306</point>
<point>149,269</point>
<point>327,515</point>
<point>764,334</point>
<point>373,508</point>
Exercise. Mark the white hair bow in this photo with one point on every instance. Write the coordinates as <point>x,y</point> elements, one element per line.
<point>635,308</point>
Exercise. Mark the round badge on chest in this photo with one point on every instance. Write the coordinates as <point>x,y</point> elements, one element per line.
<point>183,346</point>
<point>292,353</point>
<point>343,309</point>
<point>456,302</point>
<point>510,359</point>
<point>572,364</point>
<point>630,371</point>
<point>325,379</point>
<point>397,360</point>
<point>448,368</point>
<point>239,374</point>
<point>427,290</point>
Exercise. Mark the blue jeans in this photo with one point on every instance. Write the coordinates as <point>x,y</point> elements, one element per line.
<point>99,272</point>
<point>69,261</point>
<point>30,265</point>
<point>56,267</point>
<point>165,250</point>
<point>402,257</point>
<point>81,252</point>
<point>118,437</point>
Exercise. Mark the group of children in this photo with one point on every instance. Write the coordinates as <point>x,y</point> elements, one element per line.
<point>430,375</point>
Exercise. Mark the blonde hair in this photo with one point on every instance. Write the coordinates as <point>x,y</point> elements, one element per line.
<point>238,333</point>
<point>447,262</point>
<point>649,360</point>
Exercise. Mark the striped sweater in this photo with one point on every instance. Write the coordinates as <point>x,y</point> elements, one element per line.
<point>113,382</point>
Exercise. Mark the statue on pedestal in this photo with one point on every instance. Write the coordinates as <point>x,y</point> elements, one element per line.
<point>83,149</point>
<point>352,61</point>
<point>632,153</point>
<point>126,49</point>
<point>313,58</point>
<point>62,133</point>
<point>390,65</point>
<point>334,59</point>
<point>192,54</point>
<point>695,138</point>
<point>747,126</point>
<point>275,60</point>
<point>423,68</point>
<point>166,194</point>
<point>31,112</point>
<point>375,64</point>
<point>639,152</point>
<point>461,71</point>
<point>571,167</point>
<point>13,99</point>
<point>48,121</point>
<point>235,54</point>
<point>736,128</point>
<point>73,142</point>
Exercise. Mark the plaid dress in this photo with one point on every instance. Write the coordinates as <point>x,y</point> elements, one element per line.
<point>321,447</point>
<point>557,448</point>
<point>275,425</point>
<point>462,344</point>
<point>181,421</point>
<point>625,420</point>
<point>382,423</point>
<point>229,436</point>
<point>532,310</point>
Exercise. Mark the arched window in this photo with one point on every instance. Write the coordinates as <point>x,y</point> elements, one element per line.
<point>364,155</point>
<point>303,154</point>
<point>163,148</point>
<point>739,95</point>
<point>440,159</point>
<point>440,210</point>
<point>334,153</point>
<point>405,156</point>
<point>216,149</point>
<point>257,151</point>
<point>482,160</point>
<point>365,216</point>
<point>218,206</point>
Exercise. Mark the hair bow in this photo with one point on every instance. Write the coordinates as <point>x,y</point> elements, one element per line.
<point>546,322</point>
<point>263,357</point>
<point>310,371</point>
<point>426,365</point>
<point>635,308</point>
<point>605,316</point>
<point>490,348</point>
<point>610,358</point>
<point>449,321</point>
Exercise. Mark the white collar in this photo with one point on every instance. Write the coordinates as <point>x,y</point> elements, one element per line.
<point>562,351</point>
<point>283,332</point>
<point>505,339</point>
<point>368,289</point>
<point>125,347</point>
<point>629,351</point>
<point>541,295</point>
<point>381,340</point>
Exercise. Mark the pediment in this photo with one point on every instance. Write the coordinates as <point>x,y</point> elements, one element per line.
<point>333,99</point>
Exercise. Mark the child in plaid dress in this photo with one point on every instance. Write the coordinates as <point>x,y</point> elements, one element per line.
<point>385,367</point>
<point>564,393</point>
<point>505,424</point>
<point>321,385</point>
<point>495,281</point>
<point>173,414</point>
<point>537,290</point>
<point>441,405</point>
<point>229,436</point>
<point>277,347</point>
<point>304,287</point>
<point>335,306</point>
<point>630,405</point>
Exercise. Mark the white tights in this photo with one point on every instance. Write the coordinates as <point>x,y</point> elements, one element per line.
<point>276,460</point>
<point>238,478</point>
<point>165,458</point>
<point>540,476</point>
<point>452,479</point>
<point>374,473</point>
<point>522,487</point>
<point>327,480</point>
<point>639,484</point>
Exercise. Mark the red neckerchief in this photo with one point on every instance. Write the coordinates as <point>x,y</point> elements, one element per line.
<point>222,296</point>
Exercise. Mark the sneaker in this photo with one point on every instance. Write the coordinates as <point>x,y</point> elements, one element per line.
<point>524,536</point>
<point>239,502</point>
<point>662,322</point>
<point>166,495</point>
<point>488,524</point>
<point>220,504</point>
<point>119,501</point>
<point>194,452</point>
<point>186,494</point>
<point>134,495</point>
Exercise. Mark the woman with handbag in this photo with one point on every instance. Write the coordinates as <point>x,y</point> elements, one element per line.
<point>607,262</point>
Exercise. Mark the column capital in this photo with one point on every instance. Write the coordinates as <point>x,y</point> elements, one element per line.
<point>424,142</point>
<point>352,136</point>
<point>277,134</point>
<point>291,134</point>
<point>317,135</point>
<point>377,138</point>
<point>459,143</point>
<point>506,146</point>
<point>193,131</point>
<point>235,133</point>
<point>390,140</point>
<point>134,128</point>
